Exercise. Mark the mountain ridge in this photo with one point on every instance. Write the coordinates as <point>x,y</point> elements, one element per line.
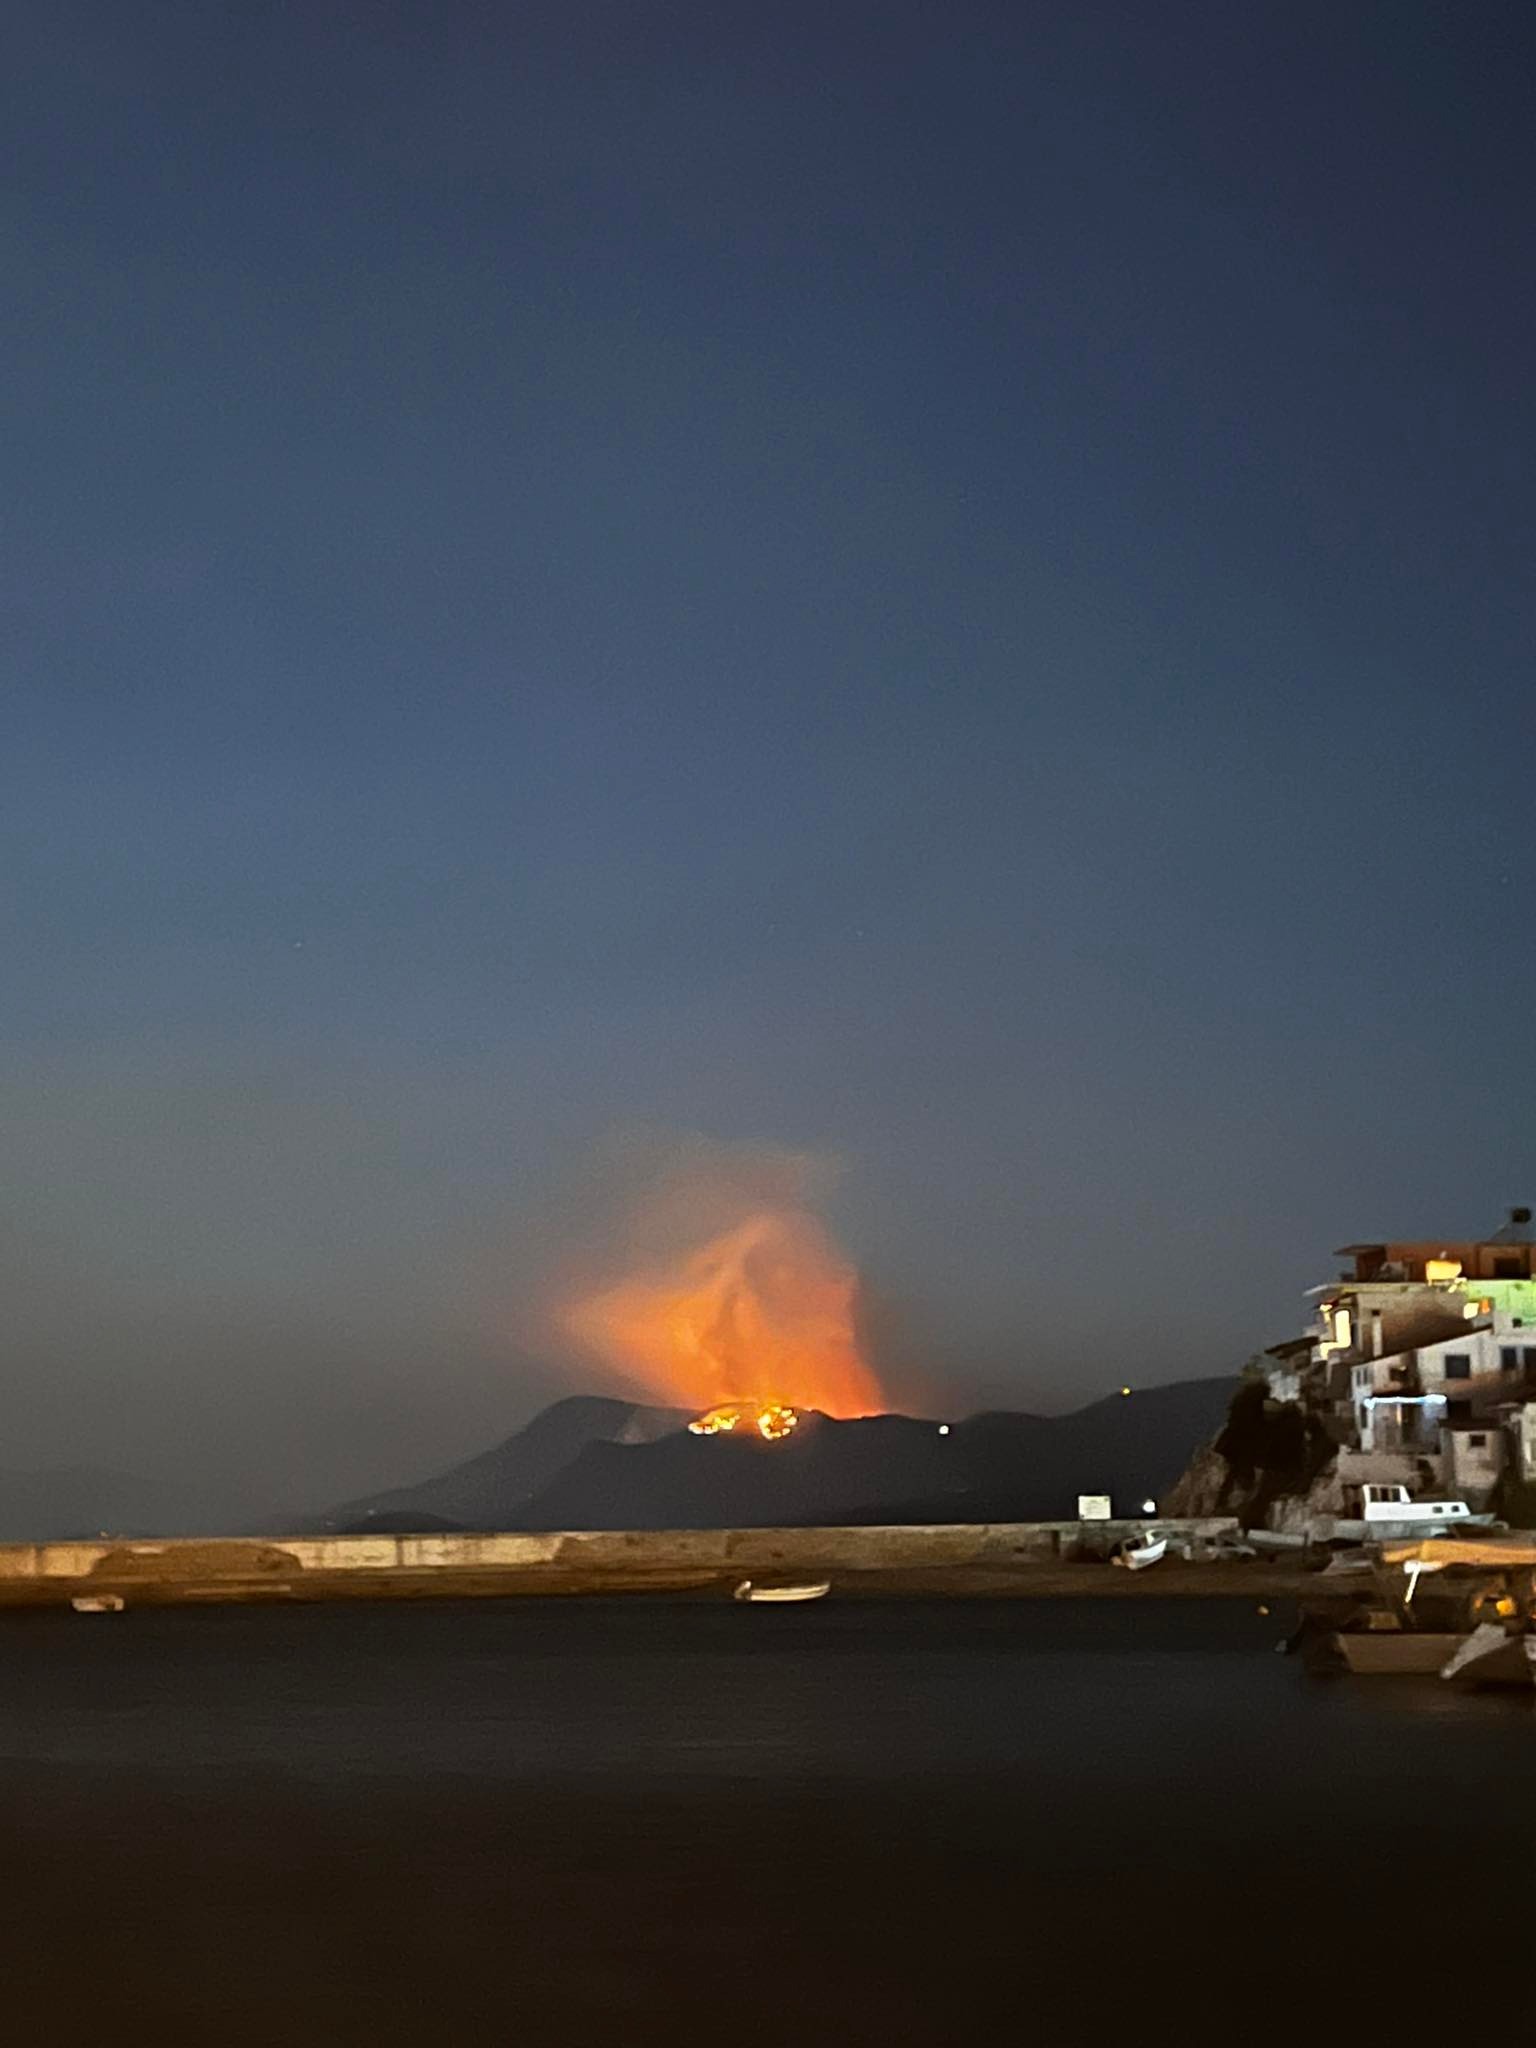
<point>601,1463</point>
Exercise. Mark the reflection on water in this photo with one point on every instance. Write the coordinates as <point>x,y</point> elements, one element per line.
<point>374,1823</point>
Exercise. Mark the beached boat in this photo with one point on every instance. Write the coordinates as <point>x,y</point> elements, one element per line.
<point>1137,1552</point>
<point>1389,1513</point>
<point>751,1590</point>
<point>98,1603</point>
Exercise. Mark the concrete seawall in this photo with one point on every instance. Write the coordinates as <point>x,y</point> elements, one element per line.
<point>565,1561</point>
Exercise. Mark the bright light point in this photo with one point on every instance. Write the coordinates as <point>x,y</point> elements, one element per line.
<point>1149,1507</point>
<point>1125,1390</point>
<point>943,1429</point>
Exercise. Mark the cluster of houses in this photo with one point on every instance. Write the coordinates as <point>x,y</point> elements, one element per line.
<point>1422,1364</point>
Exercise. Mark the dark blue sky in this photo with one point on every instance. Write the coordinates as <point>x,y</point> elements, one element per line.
<point>945,585</point>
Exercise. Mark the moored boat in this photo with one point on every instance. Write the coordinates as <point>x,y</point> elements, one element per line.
<point>1481,1593</point>
<point>1394,1653</point>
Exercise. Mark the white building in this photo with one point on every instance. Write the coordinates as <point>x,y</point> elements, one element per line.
<point>1405,1399</point>
<point>1472,1461</point>
<point>1522,1435</point>
<point>1423,1361</point>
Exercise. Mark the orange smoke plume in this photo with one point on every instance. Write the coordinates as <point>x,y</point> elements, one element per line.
<point>763,1313</point>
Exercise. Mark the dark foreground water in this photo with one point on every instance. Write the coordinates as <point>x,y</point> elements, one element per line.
<point>636,1821</point>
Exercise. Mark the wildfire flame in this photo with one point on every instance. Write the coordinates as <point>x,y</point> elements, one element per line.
<point>773,1420</point>
<point>750,1326</point>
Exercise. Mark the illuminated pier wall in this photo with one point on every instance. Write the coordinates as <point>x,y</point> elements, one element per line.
<point>301,1567</point>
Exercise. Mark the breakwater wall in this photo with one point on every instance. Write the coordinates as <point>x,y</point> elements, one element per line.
<point>311,1567</point>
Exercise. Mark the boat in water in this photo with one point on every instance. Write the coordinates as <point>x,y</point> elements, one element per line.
<point>1395,1653</point>
<point>1377,1635</point>
<point>1482,1628</point>
<point>752,1590</point>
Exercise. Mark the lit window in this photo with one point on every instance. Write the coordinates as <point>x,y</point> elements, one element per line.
<point>1442,1269</point>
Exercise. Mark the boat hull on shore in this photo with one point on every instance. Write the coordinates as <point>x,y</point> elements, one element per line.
<point>775,1596</point>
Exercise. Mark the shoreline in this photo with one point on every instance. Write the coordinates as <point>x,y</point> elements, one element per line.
<point>1260,1579</point>
<point>970,1560</point>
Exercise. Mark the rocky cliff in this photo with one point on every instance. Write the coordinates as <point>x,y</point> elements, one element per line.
<point>1271,1464</point>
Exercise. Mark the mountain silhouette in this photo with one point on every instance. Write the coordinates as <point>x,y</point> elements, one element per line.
<point>592,1463</point>
<point>489,1490</point>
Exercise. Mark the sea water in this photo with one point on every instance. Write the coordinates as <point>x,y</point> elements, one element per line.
<point>635,1820</point>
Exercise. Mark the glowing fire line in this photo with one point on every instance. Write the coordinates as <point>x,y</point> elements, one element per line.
<point>773,1420</point>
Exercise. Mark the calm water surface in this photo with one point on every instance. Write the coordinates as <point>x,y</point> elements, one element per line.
<point>635,1821</point>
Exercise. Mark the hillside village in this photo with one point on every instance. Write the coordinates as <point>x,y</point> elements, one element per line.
<point>1418,1369</point>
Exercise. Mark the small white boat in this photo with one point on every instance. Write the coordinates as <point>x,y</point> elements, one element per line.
<point>750,1590</point>
<point>1137,1552</point>
<point>98,1603</point>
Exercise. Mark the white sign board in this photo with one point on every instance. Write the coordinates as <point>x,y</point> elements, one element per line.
<point>1093,1507</point>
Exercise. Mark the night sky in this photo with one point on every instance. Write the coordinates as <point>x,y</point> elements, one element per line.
<point>944,587</point>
